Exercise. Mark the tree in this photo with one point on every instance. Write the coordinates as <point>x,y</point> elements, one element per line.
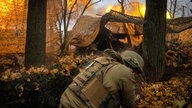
<point>178,8</point>
<point>36,33</point>
<point>66,17</point>
<point>13,16</point>
<point>154,30</point>
<point>173,8</point>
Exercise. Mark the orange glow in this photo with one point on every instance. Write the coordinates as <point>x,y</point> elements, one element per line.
<point>168,15</point>
<point>112,7</point>
<point>10,9</point>
<point>70,3</point>
<point>142,10</point>
<point>137,9</point>
<point>109,8</point>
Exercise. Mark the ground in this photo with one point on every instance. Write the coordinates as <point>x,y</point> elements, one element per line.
<point>42,86</point>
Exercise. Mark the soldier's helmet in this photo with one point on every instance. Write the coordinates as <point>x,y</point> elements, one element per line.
<point>133,59</point>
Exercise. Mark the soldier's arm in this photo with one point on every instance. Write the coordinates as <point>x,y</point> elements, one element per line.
<point>127,89</point>
<point>120,79</point>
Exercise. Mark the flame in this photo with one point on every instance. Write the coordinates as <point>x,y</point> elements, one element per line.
<point>142,10</point>
<point>109,8</point>
<point>168,15</point>
<point>137,9</point>
<point>70,3</point>
<point>112,7</point>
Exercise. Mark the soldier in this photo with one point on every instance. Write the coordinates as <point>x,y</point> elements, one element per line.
<point>108,82</point>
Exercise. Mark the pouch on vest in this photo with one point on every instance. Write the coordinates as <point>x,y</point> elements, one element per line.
<point>88,86</point>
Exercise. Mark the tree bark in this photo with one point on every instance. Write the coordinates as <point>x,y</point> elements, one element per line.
<point>36,33</point>
<point>154,30</point>
<point>173,25</point>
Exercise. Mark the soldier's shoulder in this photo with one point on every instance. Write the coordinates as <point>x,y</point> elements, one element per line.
<point>104,60</point>
<point>121,71</point>
<point>121,67</point>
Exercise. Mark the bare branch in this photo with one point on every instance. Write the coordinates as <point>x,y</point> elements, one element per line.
<point>70,12</point>
<point>86,6</point>
<point>94,3</point>
<point>89,4</point>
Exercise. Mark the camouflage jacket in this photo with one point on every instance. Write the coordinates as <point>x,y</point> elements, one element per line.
<point>116,78</point>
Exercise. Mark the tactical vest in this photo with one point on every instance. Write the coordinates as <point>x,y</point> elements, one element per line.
<point>87,85</point>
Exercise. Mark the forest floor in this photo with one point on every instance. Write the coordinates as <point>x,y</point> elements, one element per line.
<point>42,86</point>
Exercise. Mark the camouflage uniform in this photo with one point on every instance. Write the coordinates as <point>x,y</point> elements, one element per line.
<point>119,82</point>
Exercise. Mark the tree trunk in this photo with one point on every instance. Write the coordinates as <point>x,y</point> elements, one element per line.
<point>63,45</point>
<point>154,30</point>
<point>36,33</point>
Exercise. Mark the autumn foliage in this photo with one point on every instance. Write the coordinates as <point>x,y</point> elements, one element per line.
<point>43,86</point>
<point>173,91</point>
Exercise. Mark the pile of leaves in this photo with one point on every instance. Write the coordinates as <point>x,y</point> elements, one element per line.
<point>175,90</point>
<point>34,90</point>
<point>178,55</point>
<point>38,86</point>
<point>42,86</point>
<point>7,62</point>
<point>175,93</point>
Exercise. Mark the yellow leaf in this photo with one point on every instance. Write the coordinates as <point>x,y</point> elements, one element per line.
<point>20,94</point>
<point>186,65</point>
<point>175,64</point>
<point>67,68</point>
<point>54,71</point>
<point>28,80</point>
<point>21,88</point>
<point>155,98</point>
<point>37,86</point>
<point>45,71</point>
<point>22,70</point>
